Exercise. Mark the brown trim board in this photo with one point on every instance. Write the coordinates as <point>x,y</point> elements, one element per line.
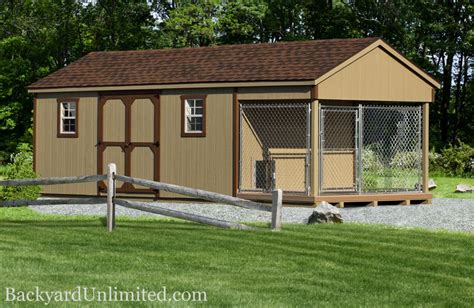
<point>374,197</point>
<point>100,133</point>
<point>156,135</point>
<point>35,112</point>
<point>235,141</point>
<point>287,198</point>
<point>136,93</point>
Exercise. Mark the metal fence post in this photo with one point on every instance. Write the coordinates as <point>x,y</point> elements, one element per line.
<point>277,198</point>
<point>111,171</point>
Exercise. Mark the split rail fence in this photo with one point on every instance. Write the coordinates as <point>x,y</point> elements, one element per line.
<point>111,177</point>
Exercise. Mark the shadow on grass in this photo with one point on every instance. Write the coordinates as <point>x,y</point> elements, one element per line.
<point>120,224</point>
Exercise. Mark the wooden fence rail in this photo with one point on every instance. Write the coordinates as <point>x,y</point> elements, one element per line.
<point>17,203</point>
<point>146,207</point>
<point>111,177</point>
<point>197,193</point>
<point>54,180</point>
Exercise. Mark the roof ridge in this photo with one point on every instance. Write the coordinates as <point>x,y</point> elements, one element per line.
<point>223,46</point>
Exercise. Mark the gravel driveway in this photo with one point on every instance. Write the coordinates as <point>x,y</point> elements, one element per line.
<point>450,214</point>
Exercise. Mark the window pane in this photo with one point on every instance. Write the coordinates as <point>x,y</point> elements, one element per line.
<point>64,109</point>
<point>68,109</point>
<point>69,125</point>
<point>198,124</point>
<point>187,108</point>
<point>198,102</point>
<point>190,103</point>
<point>188,124</point>
<point>194,124</point>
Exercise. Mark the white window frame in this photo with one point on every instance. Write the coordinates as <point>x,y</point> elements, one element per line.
<point>189,114</point>
<point>63,117</point>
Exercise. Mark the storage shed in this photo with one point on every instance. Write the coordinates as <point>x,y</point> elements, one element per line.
<point>342,120</point>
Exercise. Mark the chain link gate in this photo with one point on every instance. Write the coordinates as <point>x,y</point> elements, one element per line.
<point>339,144</point>
<point>370,148</point>
<point>275,147</point>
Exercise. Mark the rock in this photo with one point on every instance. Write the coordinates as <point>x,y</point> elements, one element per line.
<point>464,188</point>
<point>431,184</point>
<point>325,213</point>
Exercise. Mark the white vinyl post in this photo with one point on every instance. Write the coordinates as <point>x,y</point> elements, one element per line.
<point>277,200</point>
<point>111,171</point>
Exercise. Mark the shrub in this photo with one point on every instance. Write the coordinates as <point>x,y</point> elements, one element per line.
<point>370,160</point>
<point>434,158</point>
<point>455,160</point>
<point>3,157</point>
<point>406,160</point>
<point>20,167</point>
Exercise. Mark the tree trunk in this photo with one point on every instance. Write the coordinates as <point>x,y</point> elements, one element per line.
<point>457,97</point>
<point>446,97</point>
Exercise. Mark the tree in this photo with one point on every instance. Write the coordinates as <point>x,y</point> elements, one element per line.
<point>325,19</point>
<point>241,21</point>
<point>191,24</point>
<point>283,21</point>
<point>23,59</point>
<point>118,25</point>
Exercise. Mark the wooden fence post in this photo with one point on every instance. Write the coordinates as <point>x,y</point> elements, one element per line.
<point>277,200</point>
<point>111,170</point>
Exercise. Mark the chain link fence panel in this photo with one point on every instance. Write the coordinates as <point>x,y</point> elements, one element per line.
<point>338,149</point>
<point>275,149</point>
<point>370,148</point>
<point>391,148</point>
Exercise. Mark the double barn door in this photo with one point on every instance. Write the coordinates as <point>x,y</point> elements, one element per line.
<point>129,136</point>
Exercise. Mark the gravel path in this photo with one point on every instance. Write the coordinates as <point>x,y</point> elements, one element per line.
<point>450,214</point>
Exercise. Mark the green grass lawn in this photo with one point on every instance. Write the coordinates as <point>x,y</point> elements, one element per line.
<point>447,186</point>
<point>317,265</point>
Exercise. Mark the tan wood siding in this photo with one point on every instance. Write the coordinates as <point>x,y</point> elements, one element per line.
<point>339,170</point>
<point>204,162</point>
<point>66,156</point>
<point>142,163</point>
<point>375,77</point>
<point>286,167</point>
<point>251,152</point>
<point>114,120</point>
<point>265,93</point>
<point>142,121</point>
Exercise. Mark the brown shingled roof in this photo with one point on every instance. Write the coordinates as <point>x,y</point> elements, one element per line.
<point>286,61</point>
